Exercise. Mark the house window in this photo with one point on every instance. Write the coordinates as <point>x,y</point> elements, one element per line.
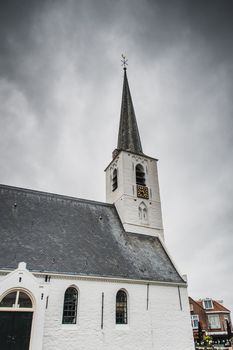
<point>195,320</point>
<point>214,321</point>
<point>208,304</point>
<point>121,307</point>
<point>191,307</point>
<point>70,306</point>
<point>114,180</point>
<point>140,175</point>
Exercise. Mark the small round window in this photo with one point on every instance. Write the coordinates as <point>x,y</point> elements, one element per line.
<point>16,299</point>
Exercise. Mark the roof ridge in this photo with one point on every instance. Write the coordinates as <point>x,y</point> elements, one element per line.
<point>54,195</point>
<point>197,303</point>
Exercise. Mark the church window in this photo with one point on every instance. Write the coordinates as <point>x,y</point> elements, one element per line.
<point>121,307</point>
<point>16,299</point>
<point>70,306</point>
<point>140,175</point>
<point>114,180</point>
<point>143,213</point>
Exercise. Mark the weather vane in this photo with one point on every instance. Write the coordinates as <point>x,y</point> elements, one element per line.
<point>124,62</point>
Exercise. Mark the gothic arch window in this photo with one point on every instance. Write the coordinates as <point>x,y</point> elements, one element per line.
<point>121,307</point>
<point>16,300</point>
<point>140,175</point>
<point>143,213</point>
<point>70,306</point>
<point>114,180</point>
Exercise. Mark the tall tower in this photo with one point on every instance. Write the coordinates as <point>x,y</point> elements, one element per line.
<point>131,177</point>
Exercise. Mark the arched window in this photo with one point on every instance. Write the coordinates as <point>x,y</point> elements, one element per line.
<point>70,306</point>
<point>114,180</point>
<point>143,213</point>
<point>121,307</point>
<point>140,175</point>
<point>16,299</point>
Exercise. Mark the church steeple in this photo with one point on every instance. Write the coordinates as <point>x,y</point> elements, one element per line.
<point>128,135</point>
<point>131,177</point>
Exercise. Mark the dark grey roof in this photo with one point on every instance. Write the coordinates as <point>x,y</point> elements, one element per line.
<point>128,136</point>
<point>54,233</point>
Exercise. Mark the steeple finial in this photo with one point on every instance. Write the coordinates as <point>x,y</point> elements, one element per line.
<point>128,136</point>
<point>124,62</point>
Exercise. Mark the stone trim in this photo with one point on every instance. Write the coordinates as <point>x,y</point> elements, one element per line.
<point>97,278</point>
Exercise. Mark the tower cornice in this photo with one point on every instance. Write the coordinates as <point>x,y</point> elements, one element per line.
<point>133,153</point>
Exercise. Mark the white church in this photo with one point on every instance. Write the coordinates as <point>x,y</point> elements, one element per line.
<point>78,274</point>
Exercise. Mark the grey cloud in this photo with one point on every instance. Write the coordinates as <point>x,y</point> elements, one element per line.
<point>60,91</point>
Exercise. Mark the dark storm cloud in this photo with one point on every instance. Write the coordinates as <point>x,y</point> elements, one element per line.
<point>210,21</point>
<point>33,32</point>
<point>17,43</point>
<point>16,19</point>
<point>31,29</point>
<point>60,88</point>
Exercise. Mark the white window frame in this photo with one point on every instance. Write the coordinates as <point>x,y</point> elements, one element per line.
<point>214,325</point>
<point>195,318</point>
<point>206,301</point>
<point>16,306</point>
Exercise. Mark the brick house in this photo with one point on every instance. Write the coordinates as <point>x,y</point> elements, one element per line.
<point>210,317</point>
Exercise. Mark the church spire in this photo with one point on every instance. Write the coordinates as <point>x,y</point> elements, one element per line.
<point>132,177</point>
<point>128,136</point>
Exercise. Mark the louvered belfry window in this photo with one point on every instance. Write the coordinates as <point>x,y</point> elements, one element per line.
<point>114,180</point>
<point>121,307</point>
<point>140,175</point>
<point>70,306</point>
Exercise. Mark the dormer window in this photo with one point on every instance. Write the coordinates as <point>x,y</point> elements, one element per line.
<point>114,180</point>
<point>208,304</point>
<point>140,175</point>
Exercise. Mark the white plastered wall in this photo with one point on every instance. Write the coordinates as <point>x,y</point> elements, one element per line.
<point>125,196</point>
<point>22,279</point>
<point>163,326</point>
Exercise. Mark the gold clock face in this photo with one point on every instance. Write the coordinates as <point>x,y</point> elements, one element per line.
<point>142,192</point>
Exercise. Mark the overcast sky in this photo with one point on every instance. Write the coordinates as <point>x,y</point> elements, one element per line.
<point>60,95</point>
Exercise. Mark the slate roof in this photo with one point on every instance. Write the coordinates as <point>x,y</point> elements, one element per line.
<point>55,233</point>
<point>128,135</point>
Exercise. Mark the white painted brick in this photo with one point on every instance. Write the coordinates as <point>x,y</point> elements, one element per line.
<point>163,326</point>
<point>125,197</point>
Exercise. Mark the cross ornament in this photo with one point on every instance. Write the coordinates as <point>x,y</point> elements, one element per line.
<point>124,62</point>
